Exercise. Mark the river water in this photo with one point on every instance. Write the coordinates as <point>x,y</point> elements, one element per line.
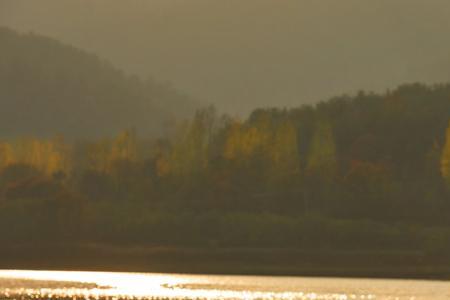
<point>21,284</point>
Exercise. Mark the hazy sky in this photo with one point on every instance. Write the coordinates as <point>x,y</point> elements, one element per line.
<point>240,54</point>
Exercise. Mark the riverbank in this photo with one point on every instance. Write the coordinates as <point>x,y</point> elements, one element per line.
<point>243,261</point>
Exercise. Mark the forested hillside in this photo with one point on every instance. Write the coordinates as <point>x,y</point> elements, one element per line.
<point>364,172</point>
<point>48,88</point>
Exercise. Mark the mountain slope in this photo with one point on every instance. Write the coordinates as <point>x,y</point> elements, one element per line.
<point>48,88</point>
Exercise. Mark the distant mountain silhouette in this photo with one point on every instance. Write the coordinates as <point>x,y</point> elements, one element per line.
<point>48,88</point>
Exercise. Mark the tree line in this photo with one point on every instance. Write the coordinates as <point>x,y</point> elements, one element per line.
<point>365,171</point>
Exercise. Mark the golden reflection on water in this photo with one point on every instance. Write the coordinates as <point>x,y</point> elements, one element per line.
<point>16,284</point>
<point>108,284</point>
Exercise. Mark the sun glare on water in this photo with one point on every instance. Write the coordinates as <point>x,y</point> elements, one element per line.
<point>107,284</point>
<point>135,285</point>
<point>63,285</point>
<point>101,285</point>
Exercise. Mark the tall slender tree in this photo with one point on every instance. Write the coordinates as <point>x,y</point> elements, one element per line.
<point>322,159</point>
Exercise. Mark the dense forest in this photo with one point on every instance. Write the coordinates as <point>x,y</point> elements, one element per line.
<point>370,171</point>
<point>49,88</point>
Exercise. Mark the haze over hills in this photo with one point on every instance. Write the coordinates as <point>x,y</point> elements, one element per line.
<point>48,88</point>
<point>315,159</point>
<point>246,54</point>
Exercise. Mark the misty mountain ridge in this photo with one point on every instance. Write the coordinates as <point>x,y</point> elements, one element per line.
<point>240,55</point>
<point>49,88</point>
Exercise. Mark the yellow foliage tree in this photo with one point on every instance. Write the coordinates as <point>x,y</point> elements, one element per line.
<point>48,156</point>
<point>272,145</point>
<point>6,155</point>
<point>233,140</point>
<point>242,142</point>
<point>58,156</point>
<point>445,157</point>
<point>284,151</point>
<point>124,146</point>
<point>191,146</point>
<point>98,155</point>
<point>253,139</point>
<point>103,154</point>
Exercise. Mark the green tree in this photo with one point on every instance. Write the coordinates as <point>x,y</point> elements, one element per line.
<point>322,161</point>
<point>191,146</point>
